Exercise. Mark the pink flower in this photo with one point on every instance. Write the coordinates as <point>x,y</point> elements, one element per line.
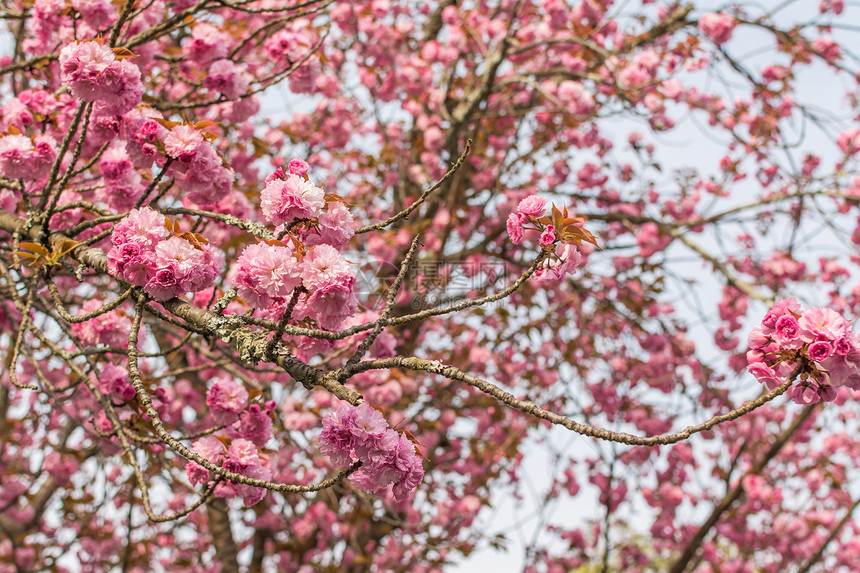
<point>112,378</point>
<point>206,179</point>
<point>276,174</point>
<point>163,284</point>
<point>226,399</point>
<point>811,393</point>
<point>515,227</point>
<point>227,78</point>
<point>835,6</point>
<point>165,269</point>
<point>821,340</point>
<point>849,141</point>
<point>558,267</point>
<point>266,272</point>
<point>16,113</point>
<point>23,158</point>
<point>368,428</point>
<point>182,142</point>
<point>761,371</point>
<point>110,328</point>
<point>650,240</point>
<point>252,495</point>
<point>128,392</point>
<point>780,308</point>
<point>842,346</point>
<point>92,72</point>
<point>820,322</point>
<point>787,331</point>
<point>115,162</point>
<point>196,473</point>
<point>293,198</point>
<point>209,448</point>
<point>323,265</point>
<point>121,87</point>
<point>820,351</point>
<point>826,48</point>
<point>757,338</point>
<point>44,155</point>
<point>185,261</point>
<point>142,226</point>
<point>81,66</point>
<point>334,228</point>
<point>333,302</point>
<point>532,206</point>
<point>406,461</point>
<point>337,440</point>
<point>298,167</point>
<point>255,425</point>
<point>16,154</point>
<point>98,14</point>
<point>717,27</point>
<point>139,269</point>
<point>547,238</point>
<point>206,43</point>
<point>362,434</point>
<point>243,453</point>
<point>121,194</point>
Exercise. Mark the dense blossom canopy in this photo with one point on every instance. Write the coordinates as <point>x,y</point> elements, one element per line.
<point>329,286</point>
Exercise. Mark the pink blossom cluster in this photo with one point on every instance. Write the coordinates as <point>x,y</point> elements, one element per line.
<point>226,78</point>
<point>330,284</point>
<point>113,381</point>
<point>198,168</point>
<point>166,267</point>
<point>565,255</point>
<point>123,185</point>
<point>362,434</point>
<point>268,273</point>
<point>255,423</point>
<point>23,109</point>
<point>25,158</point>
<point>289,197</point>
<point>333,227</point>
<point>250,429</point>
<point>147,134</point>
<point>333,224</point>
<point>226,399</point>
<point>562,263</point>
<point>718,27</point>
<point>530,208</point>
<point>207,43</point>
<point>817,346</point>
<point>241,457</point>
<point>92,72</point>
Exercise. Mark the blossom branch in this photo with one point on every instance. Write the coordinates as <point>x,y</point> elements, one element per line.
<point>526,407</point>
<point>145,403</point>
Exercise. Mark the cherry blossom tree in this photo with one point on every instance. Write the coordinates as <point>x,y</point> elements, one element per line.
<point>317,286</point>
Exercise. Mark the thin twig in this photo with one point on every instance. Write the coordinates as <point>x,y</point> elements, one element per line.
<point>406,212</point>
